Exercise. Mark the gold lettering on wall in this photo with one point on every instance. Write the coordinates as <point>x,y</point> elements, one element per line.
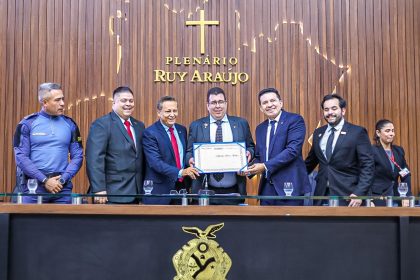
<point>215,76</point>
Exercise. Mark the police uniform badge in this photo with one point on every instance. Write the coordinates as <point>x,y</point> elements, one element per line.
<point>202,258</point>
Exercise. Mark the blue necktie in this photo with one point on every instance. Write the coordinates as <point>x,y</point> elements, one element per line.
<point>272,130</point>
<point>271,136</point>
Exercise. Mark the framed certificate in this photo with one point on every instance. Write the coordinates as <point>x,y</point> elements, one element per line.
<point>220,157</point>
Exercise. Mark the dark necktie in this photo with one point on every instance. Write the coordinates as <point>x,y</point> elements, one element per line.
<point>219,138</point>
<point>271,136</point>
<point>127,126</point>
<point>272,130</point>
<point>328,150</point>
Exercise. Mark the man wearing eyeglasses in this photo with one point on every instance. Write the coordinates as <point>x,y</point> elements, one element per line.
<point>219,127</point>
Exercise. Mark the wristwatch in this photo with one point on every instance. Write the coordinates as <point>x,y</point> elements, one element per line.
<point>62,181</point>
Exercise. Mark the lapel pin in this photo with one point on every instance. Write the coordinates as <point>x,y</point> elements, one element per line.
<point>343,132</point>
<point>319,135</point>
<point>205,125</point>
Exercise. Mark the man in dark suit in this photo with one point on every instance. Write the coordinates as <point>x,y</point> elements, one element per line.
<point>278,151</point>
<point>114,152</point>
<point>344,154</point>
<point>219,127</point>
<point>165,145</point>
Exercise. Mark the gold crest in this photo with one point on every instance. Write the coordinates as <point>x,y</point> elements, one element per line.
<point>202,258</point>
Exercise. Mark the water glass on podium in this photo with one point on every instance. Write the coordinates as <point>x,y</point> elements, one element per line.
<point>403,189</point>
<point>148,187</point>
<point>32,185</point>
<point>288,188</point>
<point>204,200</point>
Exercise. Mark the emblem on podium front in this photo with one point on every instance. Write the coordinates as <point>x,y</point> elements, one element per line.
<point>202,258</point>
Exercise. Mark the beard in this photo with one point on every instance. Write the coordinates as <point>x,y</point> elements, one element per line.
<point>334,122</point>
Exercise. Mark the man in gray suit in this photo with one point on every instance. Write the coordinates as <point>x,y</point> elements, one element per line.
<point>219,127</point>
<point>114,152</point>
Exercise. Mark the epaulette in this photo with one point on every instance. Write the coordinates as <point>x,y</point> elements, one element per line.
<point>70,119</point>
<point>27,121</point>
<point>31,116</point>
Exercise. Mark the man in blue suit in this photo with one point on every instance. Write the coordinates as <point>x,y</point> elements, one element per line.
<point>278,153</point>
<point>164,144</point>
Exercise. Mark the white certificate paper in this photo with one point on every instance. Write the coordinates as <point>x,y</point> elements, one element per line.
<point>220,157</point>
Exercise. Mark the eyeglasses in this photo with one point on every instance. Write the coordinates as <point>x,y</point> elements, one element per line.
<point>220,103</point>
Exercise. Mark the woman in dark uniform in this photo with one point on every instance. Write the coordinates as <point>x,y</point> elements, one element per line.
<point>390,164</point>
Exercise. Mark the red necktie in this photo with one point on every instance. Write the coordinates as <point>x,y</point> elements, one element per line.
<point>176,151</point>
<point>127,126</point>
<point>175,147</point>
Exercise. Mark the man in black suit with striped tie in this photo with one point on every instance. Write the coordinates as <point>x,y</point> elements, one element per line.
<point>219,127</point>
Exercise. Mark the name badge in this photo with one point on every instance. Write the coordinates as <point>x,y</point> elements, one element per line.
<point>39,134</point>
<point>404,172</point>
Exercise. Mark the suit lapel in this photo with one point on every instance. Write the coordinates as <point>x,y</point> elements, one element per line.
<point>234,128</point>
<point>181,137</point>
<point>117,121</point>
<point>137,131</point>
<point>279,128</point>
<point>341,137</point>
<point>263,138</point>
<point>205,130</point>
<point>164,135</point>
<point>398,159</point>
<point>317,141</point>
<point>385,159</point>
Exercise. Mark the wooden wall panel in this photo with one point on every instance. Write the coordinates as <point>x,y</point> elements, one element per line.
<point>366,50</point>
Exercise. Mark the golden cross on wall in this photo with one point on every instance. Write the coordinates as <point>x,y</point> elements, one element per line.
<point>202,23</point>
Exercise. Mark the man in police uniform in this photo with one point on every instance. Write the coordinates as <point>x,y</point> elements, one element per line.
<point>42,143</point>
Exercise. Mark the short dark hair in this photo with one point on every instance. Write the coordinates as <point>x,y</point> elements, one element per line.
<point>122,89</point>
<point>341,102</point>
<point>159,105</point>
<point>378,126</point>
<point>215,91</point>
<point>268,90</point>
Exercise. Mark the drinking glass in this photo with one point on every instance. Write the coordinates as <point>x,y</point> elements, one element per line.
<point>204,199</point>
<point>288,188</point>
<point>148,186</point>
<point>32,185</point>
<point>403,189</point>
